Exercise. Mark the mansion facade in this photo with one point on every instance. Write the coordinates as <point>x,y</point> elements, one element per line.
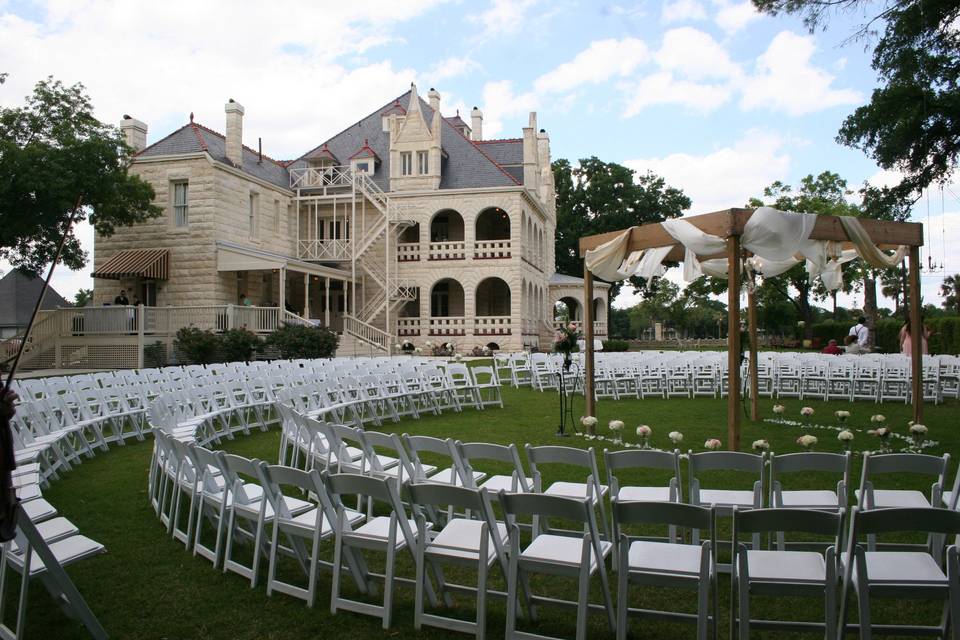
<point>405,226</point>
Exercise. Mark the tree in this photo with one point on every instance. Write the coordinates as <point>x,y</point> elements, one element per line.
<point>950,290</point>
<point>596,196</point>
<point>912,122</point>
<point>83,297</point>
<point>52,152</point>
<point>825,194</point>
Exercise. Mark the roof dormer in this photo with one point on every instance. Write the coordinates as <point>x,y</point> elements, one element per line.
<point>365,160</point>
<point>322,157</point>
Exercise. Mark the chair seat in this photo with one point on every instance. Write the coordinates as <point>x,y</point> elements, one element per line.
<point>504,483</point>
<point>664,557</point>
<point>562,550</point>
<point>573,490</point>
<point>51,531</point>
<point>896,498</point>
<point>644,494</point>
<point>450,476</point>
<point>66,551</point>
<point>306,522</point>
<point>378,528</point>
<point>38,510</point>
<point>29,492</point>
<point>726,497</point>
<point>786,566</point>
<point>947,497</point>
<point>902,567</point>
<point>461,539</point>
<point>809,499</point>
<point>294,505</point>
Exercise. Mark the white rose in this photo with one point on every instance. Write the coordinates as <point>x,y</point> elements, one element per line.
<point>588,421</point>
<point>644,431</point>
<point>779,408</point>
<point>675,437</point>
<point>616,425</point>
<point>760,445</point>
<point>918,428</point>
<point>806,411</point>
<point>845,436</point>
<point>878,418</point>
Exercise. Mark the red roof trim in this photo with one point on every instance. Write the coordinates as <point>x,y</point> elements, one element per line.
<point>494,140</point>
<point>365,148</point>
<point>217,133</point>
<point>196,131</point>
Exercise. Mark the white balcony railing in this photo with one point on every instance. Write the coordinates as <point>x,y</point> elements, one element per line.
<point>320,177</point>
<point>408,327</point>
<point>455,250</point>
<point>448,326</point>
<point>491,249</point>
<point>408,251</point>
<point>338,249</point>
<point>492,326</point>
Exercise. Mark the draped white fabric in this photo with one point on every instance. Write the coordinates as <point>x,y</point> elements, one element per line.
<point>778,239</point>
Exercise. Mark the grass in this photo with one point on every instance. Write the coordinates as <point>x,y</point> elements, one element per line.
<point>148,586</point>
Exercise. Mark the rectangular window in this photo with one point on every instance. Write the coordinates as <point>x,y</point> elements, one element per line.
<point>276,217</point>
<point>423,163</point>
<point>363,167</point>
<point>254,221</point>
<point>180,206</point>
<point>406,163</point>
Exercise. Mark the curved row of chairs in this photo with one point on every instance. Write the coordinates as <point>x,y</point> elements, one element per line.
<point>366,490</point>
<point>61,421</point>
<point>690,374</point>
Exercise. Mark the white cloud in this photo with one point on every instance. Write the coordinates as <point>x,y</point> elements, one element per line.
<point>599,62</point>
<point>664,88</point>
<point>499,102</point>
<point>696,54</point>
<point>504,17</point>
<point>450,68</point>
<point>784,80</point>
<point>681,10</point>
<point>726,177</point>
<point>732,17</point>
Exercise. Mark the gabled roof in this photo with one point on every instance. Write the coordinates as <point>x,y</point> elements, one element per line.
<point>465,164</point>
<point>19,292</point>
<point>195,138</point>
<point>323,153</point>
<point>394,107</point>
<point>365,152</point>
<point>457,121</point>
<point>505,151</point>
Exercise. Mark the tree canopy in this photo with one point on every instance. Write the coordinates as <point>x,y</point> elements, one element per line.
<point>912,122</point>
<point>52,152</point>
<point>597,196</point>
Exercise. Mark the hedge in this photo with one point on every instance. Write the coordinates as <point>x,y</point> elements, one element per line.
<point>945,338</point>
<point>616,345</point>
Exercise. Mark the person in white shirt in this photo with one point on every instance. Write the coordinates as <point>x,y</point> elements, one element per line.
<point>860,331</point>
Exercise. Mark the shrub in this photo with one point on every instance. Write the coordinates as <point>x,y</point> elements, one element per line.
<point>155,355</point>
<point>197,346</point>
<point>616,345</point>
<point>297,341</point>
<point>239,344</point>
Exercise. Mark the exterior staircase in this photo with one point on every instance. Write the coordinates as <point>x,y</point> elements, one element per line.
<point>372,323</point>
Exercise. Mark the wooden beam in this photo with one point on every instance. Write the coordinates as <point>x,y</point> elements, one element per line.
<point>721,223</point>
<point>752,320</point>
<point>590,408</point>
<point>733,343</point>
<point>916,335</point>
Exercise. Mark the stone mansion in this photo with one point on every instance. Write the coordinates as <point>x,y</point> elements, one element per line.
<point>405,226</point>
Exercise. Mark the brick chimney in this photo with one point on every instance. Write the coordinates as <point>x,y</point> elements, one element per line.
<point>476,124</point>
<point>234,111</point>
<point>134,133</point>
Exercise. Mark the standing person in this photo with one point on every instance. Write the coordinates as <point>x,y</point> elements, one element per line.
<point>860,332</point>
<point>121,300</point>
<point>906,339</point>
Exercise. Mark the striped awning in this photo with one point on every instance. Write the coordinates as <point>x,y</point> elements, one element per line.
<point>153,264</point>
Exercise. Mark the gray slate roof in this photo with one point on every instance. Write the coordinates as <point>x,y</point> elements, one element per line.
<point>195,138</point>
<point>465,165</point>
<point>18,294</point>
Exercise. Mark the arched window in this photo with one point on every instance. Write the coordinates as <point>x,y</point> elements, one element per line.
<point>493,298</point>
<point>493,224</point>
<point>446,299</point>
<point>446,226</point>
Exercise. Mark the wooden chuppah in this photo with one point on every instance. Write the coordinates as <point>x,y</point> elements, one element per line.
<point>729,224</point>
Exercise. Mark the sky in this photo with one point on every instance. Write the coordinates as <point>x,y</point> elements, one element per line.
<point>718,99</point>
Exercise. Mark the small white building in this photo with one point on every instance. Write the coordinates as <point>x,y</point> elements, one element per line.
<point>406,225</point>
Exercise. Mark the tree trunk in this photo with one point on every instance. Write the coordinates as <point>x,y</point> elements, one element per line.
<point>870,308</point>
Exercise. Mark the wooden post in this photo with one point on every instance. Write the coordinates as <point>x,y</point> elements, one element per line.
<point>590,408</point>
<point>754,355</point>
<point>916,335</point>
<point>733,343</point>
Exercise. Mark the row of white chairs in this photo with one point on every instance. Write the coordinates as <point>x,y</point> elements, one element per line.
<point>449,517</point>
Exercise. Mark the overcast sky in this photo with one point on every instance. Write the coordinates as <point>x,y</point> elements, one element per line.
<point>707,93</point>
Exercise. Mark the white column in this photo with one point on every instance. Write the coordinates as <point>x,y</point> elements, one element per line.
<point>306,295</point>
<point>283,292</point>
<point>326,307</point>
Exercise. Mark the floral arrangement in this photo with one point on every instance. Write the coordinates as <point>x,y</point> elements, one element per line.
<point>806,412</point>
<point>842,416</point>
<point>675,437</point>
<point>712,444</point>
<point>883,433</point>
<point>846,438</point>
<point>616,426</point>
<point>779,409</point>
<point>565,341</point>
<point>918,432</point>
<point>878,418</point>
<point>588,421</point>
<point>760,445</point>
<point>807,441</point>
<point>644,432</point>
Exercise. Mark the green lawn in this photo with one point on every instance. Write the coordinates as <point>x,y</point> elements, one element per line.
<point>148,586</point>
